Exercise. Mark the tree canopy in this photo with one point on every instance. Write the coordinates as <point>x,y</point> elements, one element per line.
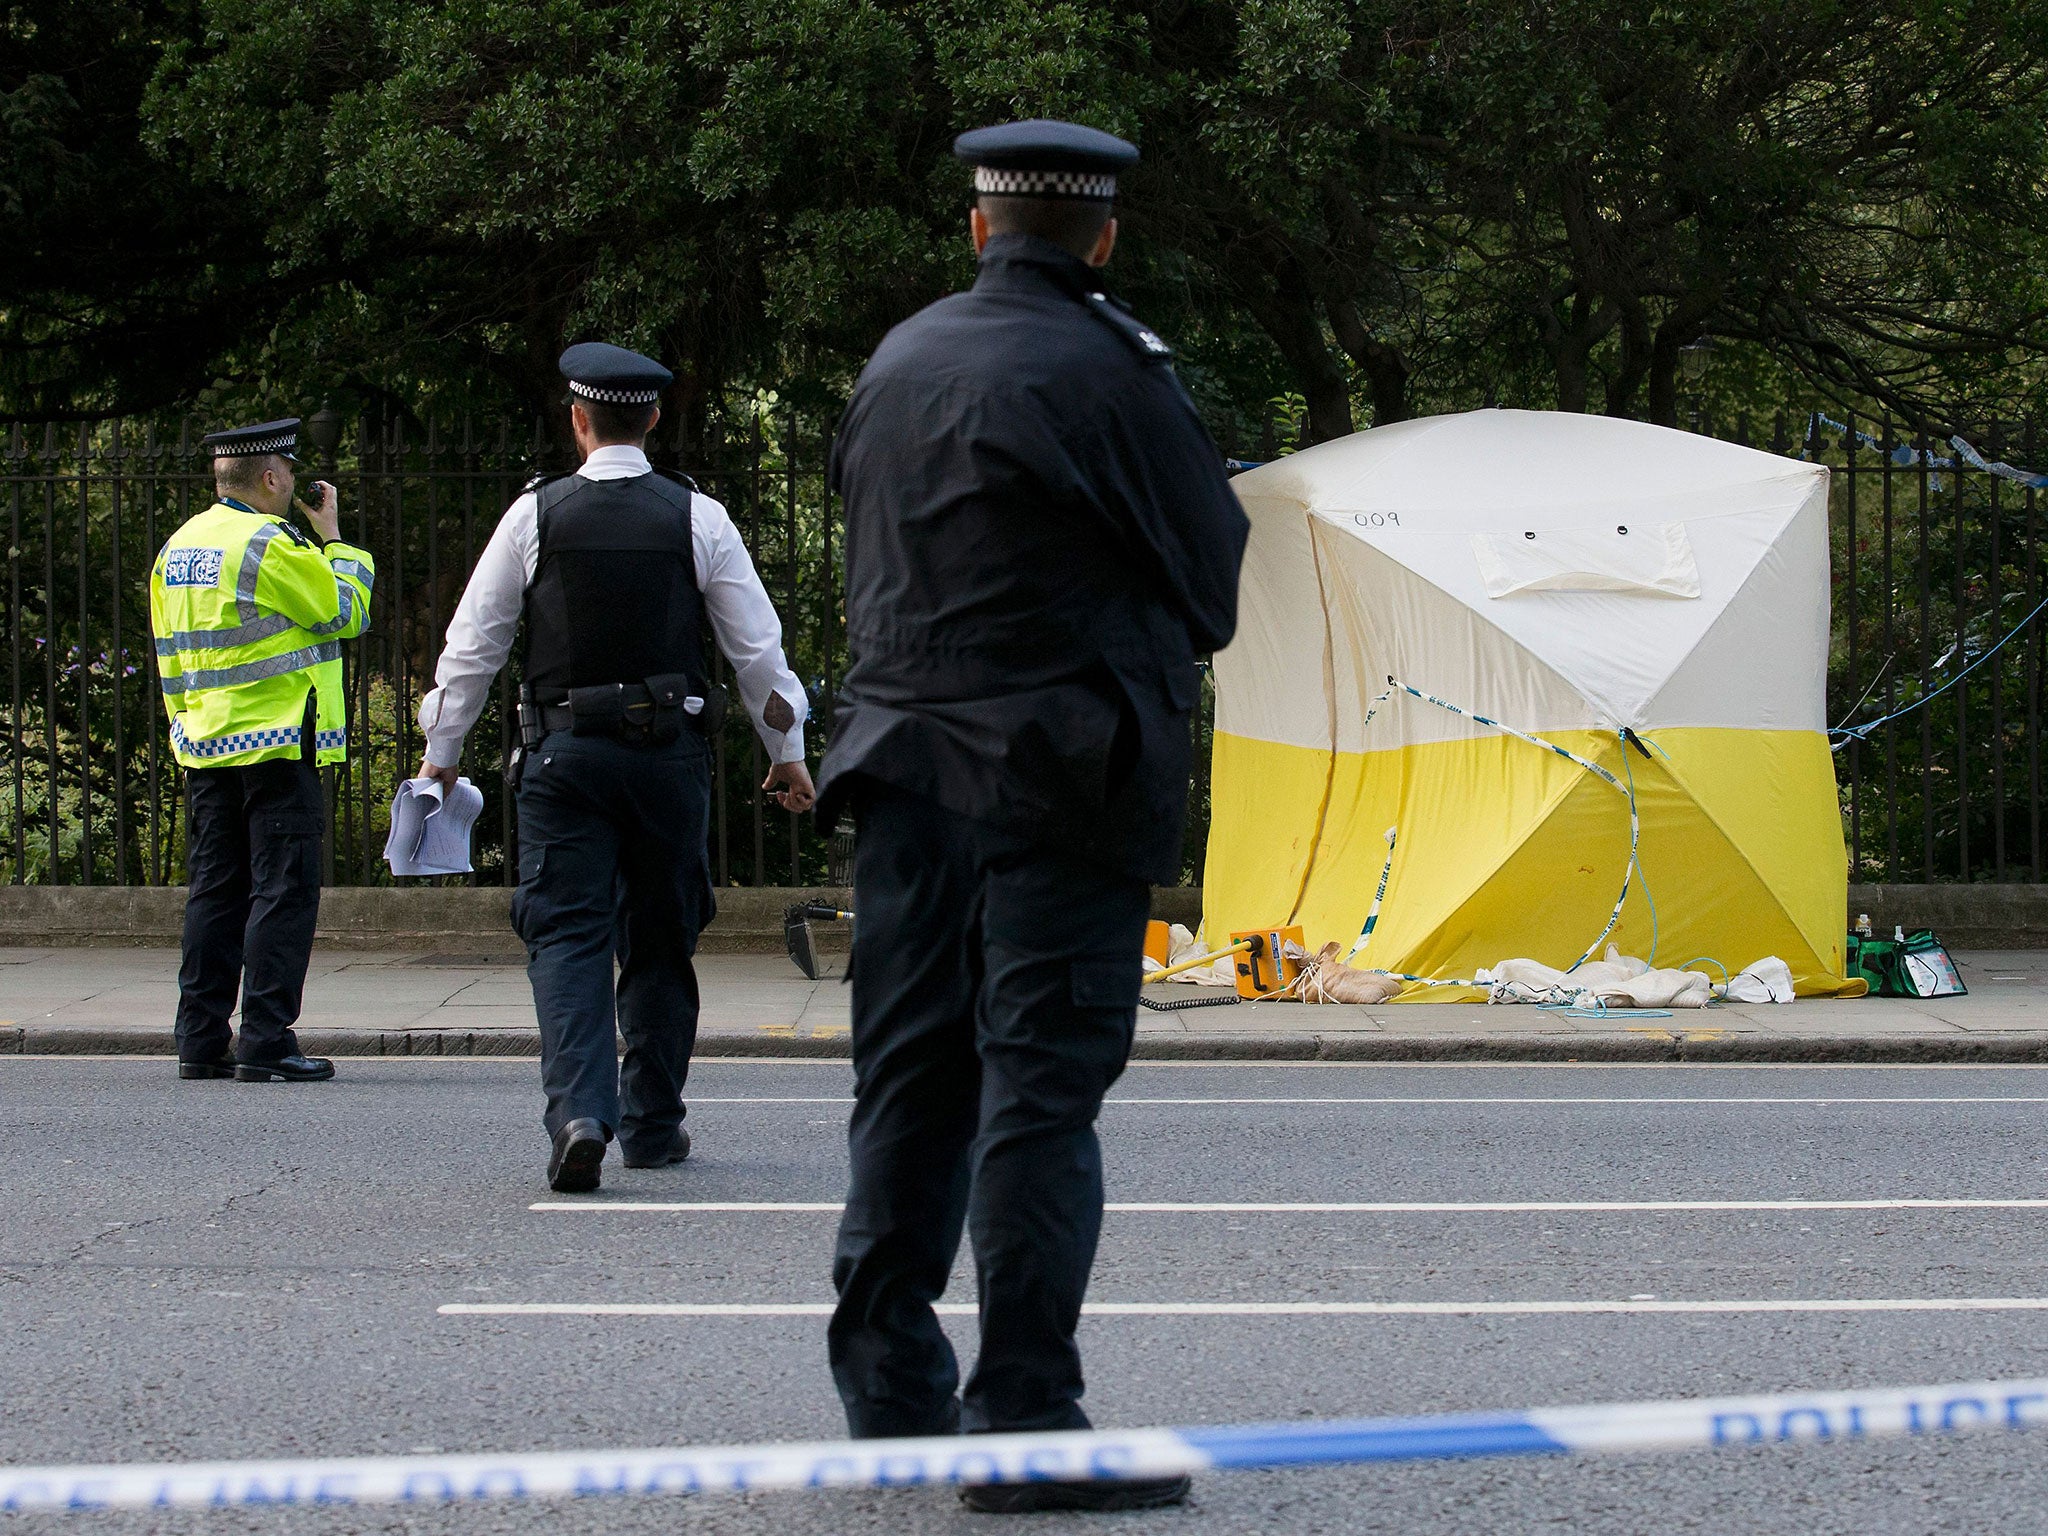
<point>1379,207</point>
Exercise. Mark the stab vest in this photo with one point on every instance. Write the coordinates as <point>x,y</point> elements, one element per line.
<point>614,594</point>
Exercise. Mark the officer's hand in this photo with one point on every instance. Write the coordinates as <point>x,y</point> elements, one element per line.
<point>323,510</point>
<point>445,777</point>
<point>789,786</point>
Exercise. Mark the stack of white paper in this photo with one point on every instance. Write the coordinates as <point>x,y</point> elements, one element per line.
<point>430,828</point>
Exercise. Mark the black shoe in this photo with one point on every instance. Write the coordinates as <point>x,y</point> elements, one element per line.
<point>1031,1498</point>
<point>579,1150</point>
<point>676,1151</point>
<point>220,1066</point>
<point>286,1069</point>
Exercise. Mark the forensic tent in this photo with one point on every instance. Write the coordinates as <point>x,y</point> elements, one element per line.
<point>1433,614</point>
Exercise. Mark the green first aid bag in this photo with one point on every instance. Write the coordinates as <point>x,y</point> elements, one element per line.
<point>1916,966</point>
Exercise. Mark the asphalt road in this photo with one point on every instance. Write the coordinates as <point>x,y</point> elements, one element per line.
<point>221,1270</point>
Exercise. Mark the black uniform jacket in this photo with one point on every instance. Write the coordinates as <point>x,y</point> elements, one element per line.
<point>1040,539</point>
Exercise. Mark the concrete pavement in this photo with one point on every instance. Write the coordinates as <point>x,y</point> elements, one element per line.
<point>201,1270</point>
<point>70,1001</point>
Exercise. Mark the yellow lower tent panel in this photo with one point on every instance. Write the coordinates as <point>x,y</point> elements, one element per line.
<point>1507,850</point>
<point>1783,811</point>
<point>1267,795</point>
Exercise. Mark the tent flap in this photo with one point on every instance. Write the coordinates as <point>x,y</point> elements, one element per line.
<point>1656,559</point>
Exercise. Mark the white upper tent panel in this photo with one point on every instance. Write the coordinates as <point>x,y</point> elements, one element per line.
<point>1508,471</point>
<point>1661,577</point>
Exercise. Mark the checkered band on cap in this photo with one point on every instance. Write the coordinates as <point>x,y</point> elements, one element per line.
<point>287,443</point>
<point>614,396</point>
<point>1090,186</point>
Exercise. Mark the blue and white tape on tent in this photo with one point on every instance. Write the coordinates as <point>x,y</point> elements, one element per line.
<point>1901,454</point>
<point>1842,735</point>
<point>2004,471</point>
<point>1906,457</point>
<point>1701,1424</point>
<point>1632,871</point>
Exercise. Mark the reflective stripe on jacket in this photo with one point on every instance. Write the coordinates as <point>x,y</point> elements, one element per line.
<point>249,617</point>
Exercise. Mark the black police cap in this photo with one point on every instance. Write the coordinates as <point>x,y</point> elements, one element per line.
<point>278,437</point>
<point>597,370</point>
<point>1045,158</point>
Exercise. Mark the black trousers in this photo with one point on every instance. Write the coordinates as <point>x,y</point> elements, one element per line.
<point>612,862</point>
<point>994,997</point>
<point>252,851</point>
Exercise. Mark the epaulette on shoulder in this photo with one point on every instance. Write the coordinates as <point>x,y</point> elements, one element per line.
<point>293,532</point>
<point>1137,335</point>
<point>539,480</point>
<point>676,476</point>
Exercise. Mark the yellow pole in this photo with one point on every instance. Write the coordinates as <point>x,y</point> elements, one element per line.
<point>1189,965</point>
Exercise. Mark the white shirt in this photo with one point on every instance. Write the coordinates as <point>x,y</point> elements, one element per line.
<point>480,634</point>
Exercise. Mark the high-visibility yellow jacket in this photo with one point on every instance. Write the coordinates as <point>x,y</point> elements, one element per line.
<point>249,616</point>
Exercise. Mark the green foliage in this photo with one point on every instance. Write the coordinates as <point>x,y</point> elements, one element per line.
<point>119,268</point>
<point>1385,207</point>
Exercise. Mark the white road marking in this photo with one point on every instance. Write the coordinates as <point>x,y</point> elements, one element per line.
<point>1269,1308</point>
<point>1579,1068</point>
<point>1150,1065</point>
<point>833,1206</point>
<point>1833,1099</point>
<point>1334,1207</point>
<point>1830,1099</point>
<point>1456,1207</point>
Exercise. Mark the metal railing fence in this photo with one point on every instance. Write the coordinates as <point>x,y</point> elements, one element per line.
<point>1933,561</point>
<point>91,793</point>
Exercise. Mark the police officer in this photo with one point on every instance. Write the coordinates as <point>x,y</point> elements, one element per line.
<point>1040,540</point>
<point>615,570</point>
<point>249,614</point>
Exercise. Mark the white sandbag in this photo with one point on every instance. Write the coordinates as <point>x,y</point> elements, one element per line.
<point>1619,981</point>
<point>1768,981</point>
<point>1531,981</point>
<point>1653,989</point>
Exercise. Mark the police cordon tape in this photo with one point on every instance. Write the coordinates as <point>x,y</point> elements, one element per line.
<point>1094,1454</point>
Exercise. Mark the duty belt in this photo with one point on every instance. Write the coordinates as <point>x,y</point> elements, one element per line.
<point>632,710</point>
<point>558,716</point>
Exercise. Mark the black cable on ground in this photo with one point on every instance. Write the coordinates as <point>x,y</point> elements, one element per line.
<point>1188,1002</point>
